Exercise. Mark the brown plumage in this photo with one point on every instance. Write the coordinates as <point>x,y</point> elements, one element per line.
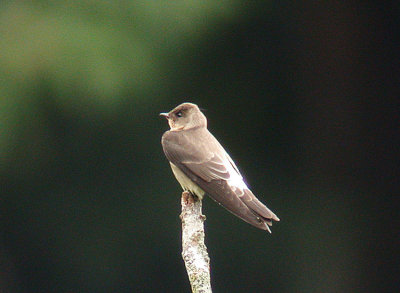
<point>201,165</point>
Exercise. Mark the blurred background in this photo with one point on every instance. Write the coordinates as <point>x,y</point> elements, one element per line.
<point>301,94</point>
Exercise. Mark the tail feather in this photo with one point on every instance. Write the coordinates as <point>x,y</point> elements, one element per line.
<point>258,207</point>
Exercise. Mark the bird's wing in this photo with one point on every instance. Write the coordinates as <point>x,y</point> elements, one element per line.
<point>205,162</point>
<point>197,155</point>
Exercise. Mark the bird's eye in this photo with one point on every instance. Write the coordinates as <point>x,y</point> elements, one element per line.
<point>178,114</point>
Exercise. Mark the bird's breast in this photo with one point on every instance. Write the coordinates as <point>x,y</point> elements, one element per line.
<point>186,182</point>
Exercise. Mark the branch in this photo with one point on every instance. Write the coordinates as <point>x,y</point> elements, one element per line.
<point>194,251</point>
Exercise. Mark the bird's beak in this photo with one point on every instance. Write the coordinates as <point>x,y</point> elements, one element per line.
<point>166,115</point>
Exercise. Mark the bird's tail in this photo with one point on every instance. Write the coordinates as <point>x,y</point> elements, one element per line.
<point>264,214</point>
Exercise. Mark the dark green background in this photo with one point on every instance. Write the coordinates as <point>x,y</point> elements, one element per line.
<point>299,93</point>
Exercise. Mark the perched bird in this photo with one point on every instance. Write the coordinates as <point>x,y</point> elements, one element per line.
<point>202,166</point>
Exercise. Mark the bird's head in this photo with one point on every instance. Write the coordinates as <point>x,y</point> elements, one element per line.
<point>185,116</point>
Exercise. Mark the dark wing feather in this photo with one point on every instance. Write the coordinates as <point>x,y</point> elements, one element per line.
<point>200,156</point>
<point>198,150</point>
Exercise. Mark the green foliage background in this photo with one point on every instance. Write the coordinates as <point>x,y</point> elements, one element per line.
<point>88,202</point>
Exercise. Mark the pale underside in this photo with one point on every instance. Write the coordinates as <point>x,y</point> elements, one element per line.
<point>186,182</point>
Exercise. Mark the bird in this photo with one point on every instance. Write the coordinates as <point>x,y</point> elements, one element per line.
<point>202,166</point>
